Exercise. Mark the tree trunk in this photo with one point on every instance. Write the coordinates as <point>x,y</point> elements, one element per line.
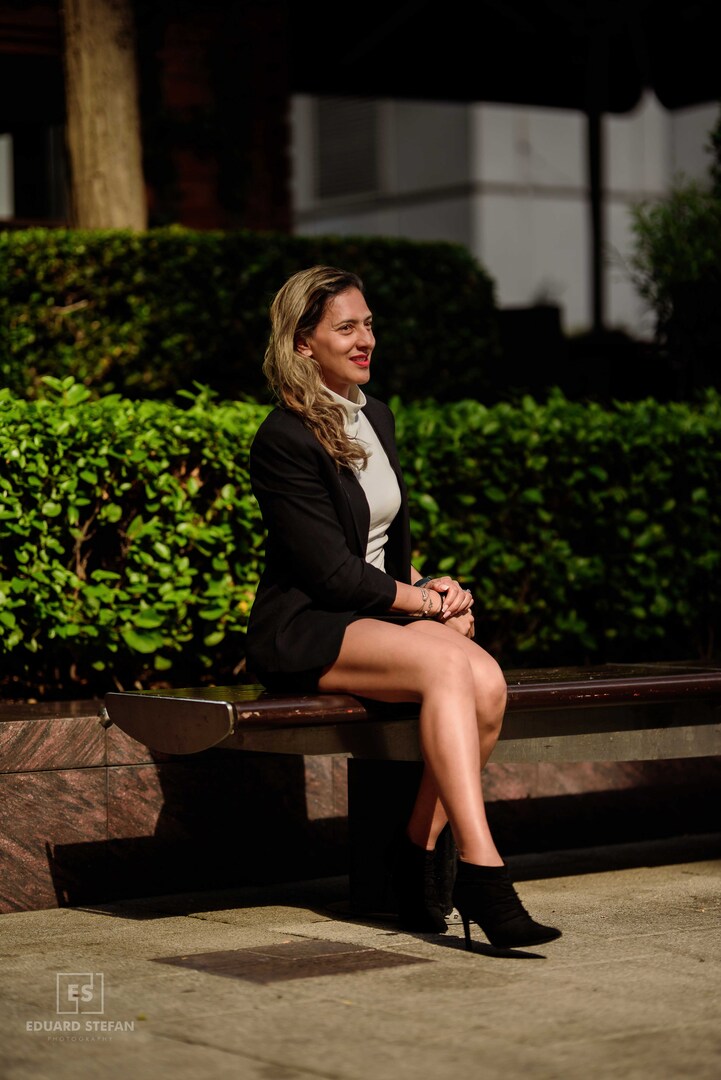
<point>107,189</point>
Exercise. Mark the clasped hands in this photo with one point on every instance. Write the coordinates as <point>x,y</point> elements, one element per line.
<point>457,604</point>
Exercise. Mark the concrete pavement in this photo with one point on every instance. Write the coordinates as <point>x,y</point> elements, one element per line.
<point>284,984</point>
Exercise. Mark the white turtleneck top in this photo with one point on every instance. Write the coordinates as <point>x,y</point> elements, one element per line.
<point>378,480</point>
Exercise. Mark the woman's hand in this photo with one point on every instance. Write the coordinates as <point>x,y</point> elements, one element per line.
<point>463,623</point>
<point>456,600</point>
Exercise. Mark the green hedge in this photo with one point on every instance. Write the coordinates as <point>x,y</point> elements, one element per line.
<point>130,543</point>
<point>129,540</point>
<point>589,534</point>
<point>147,314</point>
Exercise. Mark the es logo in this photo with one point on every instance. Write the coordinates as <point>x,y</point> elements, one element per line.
<point>79,992</point>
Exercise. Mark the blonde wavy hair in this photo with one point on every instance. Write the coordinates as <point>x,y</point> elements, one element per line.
<point>294,379</point>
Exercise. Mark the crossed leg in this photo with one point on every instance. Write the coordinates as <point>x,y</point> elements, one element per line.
<point>461,692</point>
<point>429,815</point>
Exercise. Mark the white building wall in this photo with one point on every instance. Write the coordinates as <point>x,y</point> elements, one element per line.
<point>689,131</point>
<point>424,171</point>
<point>429,145</point>
<point>530,227</point>
<point>510,183</point>
<point>637,168</point>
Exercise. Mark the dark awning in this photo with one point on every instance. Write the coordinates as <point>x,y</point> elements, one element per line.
<point>577,54</point>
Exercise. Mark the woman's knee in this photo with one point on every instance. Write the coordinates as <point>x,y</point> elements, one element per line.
<point>451,669</point>
<point>498,689</point>
<point>491,692</point>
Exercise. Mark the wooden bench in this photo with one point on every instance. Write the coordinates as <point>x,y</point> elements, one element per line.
<point>609,713</point>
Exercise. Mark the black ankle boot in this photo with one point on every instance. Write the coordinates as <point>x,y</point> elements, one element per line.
<point>485,895</point>
<point>415,885</point>
<point>446,860</point>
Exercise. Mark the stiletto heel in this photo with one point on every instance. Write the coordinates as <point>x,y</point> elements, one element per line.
<point>467,932</point>
<point>486,896</point>
<point>415,885</point>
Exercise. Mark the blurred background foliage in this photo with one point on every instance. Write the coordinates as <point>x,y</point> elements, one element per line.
<point>146,314</point>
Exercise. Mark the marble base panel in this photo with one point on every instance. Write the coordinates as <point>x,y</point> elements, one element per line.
<point>597,819</point>
<point>37,737</point>
<point>213,822</point>
<point>327,780</point>
<point>92,835</point>
<point>535,808</point>
<point>546,779</point>
<point>37,812</point>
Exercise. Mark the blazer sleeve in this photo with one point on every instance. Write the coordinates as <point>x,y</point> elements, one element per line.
<point>291,476</point>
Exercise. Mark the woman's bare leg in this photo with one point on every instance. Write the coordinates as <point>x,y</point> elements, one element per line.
<point>384,662</point>
<point>429,817</point>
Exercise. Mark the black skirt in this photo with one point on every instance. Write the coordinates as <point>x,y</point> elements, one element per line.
<point>306,681</point>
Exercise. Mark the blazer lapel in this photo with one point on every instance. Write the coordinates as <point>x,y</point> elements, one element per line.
<point>358,506</point>
<point>388,443</point>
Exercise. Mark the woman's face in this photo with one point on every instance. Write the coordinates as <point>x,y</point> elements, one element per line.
<point>342,342</point>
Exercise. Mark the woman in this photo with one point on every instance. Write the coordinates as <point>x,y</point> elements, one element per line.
<point>340,609</point>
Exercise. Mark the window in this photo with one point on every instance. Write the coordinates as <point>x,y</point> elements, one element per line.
<point>346,147</point>
<point>33,174</point>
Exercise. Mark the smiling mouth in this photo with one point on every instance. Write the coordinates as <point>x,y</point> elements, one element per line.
<point>361,361</point>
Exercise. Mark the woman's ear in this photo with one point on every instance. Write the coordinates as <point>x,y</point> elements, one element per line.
<point>302,345</point>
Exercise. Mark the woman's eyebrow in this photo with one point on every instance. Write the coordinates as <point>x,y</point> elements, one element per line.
<point>340,322</point>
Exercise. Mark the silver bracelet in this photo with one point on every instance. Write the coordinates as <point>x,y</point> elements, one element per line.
<point>435,615</point>
<point>422,609</point>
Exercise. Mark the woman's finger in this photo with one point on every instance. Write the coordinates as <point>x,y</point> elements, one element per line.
<point>459,601</point>
<point>456,599</point>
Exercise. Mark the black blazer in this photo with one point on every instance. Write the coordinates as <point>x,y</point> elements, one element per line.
<point>316,579</point>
